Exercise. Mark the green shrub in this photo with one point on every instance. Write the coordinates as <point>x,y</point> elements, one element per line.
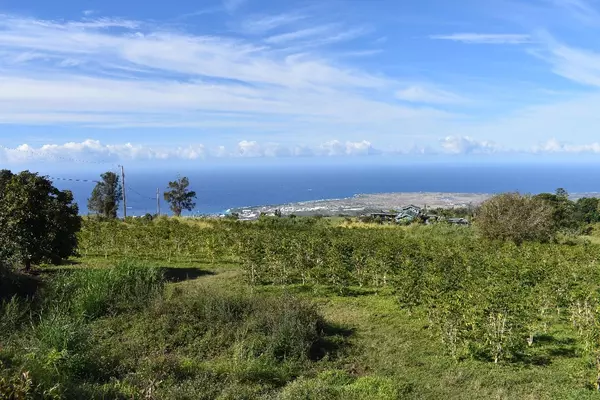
<point>93,293</point>
<point>517,218</point>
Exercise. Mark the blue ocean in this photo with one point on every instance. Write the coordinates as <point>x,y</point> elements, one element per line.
<point>222,186</point>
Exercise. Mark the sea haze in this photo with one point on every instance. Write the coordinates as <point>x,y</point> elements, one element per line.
<point>222,186</point>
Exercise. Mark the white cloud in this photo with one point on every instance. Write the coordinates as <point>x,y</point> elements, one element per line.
<point>485,38</point>
<point>420,94</point>
<point>580,9</point>
<point>266,23</point>
<point>299,34</point>
<point>249,149</point>
<point>94,151</point>
<point>578,65</point>
<point>468,145</point>
<point>337,148</point>
<point>94,74</point>
<point>554,146</point>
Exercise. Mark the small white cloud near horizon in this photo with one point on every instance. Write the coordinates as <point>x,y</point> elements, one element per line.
<point>468,145</point>
<point>485,38</point>
<point>94,151</point>
<point>554,146</point>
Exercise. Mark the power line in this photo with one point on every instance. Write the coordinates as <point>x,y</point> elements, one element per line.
<point>73,180</point>
<point>139,194</point>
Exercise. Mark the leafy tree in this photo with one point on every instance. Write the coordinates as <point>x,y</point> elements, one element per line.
<point>180,197</point>
<point>517,218</point>
<point>38,222</point>
<point>587,210</point>
<point>563,212</point>
<point>106,196</point>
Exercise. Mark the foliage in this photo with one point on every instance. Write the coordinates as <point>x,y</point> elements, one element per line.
<point>180,197</point>
<point>563,210</point>
<point>587,210</point>
<point>106,196</point>
<point>114,333</point>
<point>517,218</point>
<point>38,223</point>
<point>94,293</point>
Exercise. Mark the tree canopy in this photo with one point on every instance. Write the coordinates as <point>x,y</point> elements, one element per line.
<point>106,196</point>
<point>38,222</point>
<point>517,218</point>
<point>179,196</point>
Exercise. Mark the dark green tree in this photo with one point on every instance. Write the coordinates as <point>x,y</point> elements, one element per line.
<point>106,196</point>
<point>563,209</point>
<point>179,196</point>
<point>587,210</point>
<point>38,222</point>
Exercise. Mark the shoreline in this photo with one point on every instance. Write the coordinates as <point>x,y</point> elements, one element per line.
<point>363,203</point>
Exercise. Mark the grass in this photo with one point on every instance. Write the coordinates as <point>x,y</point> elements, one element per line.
<point>196,331</point>
<point>117,332</point>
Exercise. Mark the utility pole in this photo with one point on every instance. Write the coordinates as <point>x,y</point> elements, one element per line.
<point>157,201</point>
<point>124,196</point>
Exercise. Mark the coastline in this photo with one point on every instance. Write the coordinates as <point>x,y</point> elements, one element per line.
<point>377,202</point>
<point>365,203</point>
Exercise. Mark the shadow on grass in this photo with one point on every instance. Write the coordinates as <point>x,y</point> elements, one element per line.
<point>331,344</point>
<point>546,349</point>
<point>549,339</point>
<point>175,275</point>
<point>16,283</point>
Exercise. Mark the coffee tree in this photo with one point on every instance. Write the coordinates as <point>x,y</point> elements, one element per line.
<point>38,222</point>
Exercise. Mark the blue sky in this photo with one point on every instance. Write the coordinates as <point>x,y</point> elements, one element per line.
<point>114,80</point>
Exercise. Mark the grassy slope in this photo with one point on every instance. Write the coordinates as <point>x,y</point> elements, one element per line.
<point>385,342</point>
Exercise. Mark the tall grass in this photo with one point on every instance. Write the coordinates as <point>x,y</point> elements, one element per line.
<point>94,293</point>
<point>117,333</point>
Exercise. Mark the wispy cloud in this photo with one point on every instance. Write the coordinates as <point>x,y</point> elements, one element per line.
<point>300,34</point>
<point>580,9</point>
<point>233,5</point>
<point>265,23</point>
<point>485,38</point>
<point>424,94</point>
<point>317,35</point>
<point>576,64</point>
<point>96,75</point>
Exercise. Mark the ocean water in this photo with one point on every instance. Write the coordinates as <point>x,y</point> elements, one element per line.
<point>221,187</point>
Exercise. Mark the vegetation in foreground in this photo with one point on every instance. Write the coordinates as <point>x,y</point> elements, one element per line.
<point>302,308</point>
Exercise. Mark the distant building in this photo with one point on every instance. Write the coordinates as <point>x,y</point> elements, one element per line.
<point>408,214</point>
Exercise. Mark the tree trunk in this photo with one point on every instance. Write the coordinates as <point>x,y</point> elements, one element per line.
<point>27,265</point>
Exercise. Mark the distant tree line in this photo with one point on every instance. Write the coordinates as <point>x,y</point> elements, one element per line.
<point>518,218</point>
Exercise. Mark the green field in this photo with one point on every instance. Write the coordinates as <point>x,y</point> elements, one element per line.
<point>304,309</point>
